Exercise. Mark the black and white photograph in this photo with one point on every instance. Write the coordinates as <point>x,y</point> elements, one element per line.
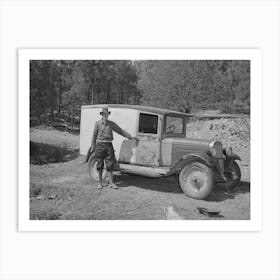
<point>139,139</point>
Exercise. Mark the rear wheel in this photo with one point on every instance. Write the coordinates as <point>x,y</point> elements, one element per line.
<point>92,168</point>
<point>196,180</point>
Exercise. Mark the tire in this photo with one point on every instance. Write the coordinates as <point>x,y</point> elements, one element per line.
<point>228,173</point>
<point>196,180</point>
<point>92,168</point>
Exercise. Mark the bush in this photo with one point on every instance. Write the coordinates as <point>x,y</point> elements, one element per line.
<point>41,153</point>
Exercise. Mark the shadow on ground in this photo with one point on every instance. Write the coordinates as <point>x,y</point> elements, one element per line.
<point>170,185</point>
<point>219,193</point>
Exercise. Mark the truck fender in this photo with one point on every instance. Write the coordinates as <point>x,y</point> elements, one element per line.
<point>189,158</point>
<point>233,156</point>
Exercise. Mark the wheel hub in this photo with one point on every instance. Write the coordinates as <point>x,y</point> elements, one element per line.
<point>197,180</point>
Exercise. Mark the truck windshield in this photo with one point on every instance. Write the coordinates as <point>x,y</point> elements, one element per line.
<point>174,125</point>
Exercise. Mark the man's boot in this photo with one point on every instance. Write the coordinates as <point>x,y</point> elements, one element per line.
<point>111,183</point>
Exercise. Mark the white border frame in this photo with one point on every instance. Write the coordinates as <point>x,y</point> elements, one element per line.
<point>254,224</point>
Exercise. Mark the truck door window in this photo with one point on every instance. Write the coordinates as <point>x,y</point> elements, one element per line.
<point>148,123</point>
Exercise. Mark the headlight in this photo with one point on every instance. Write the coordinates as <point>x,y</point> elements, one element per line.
<point>216,149</point>
<point>229,151</point>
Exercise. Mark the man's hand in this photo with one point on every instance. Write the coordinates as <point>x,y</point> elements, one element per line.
<point>135,139</point>
<point>90,152</point>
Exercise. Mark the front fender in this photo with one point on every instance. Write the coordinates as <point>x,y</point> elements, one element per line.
<point>203,158</point>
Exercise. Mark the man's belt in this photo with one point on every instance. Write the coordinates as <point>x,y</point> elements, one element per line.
<point>104,141</point>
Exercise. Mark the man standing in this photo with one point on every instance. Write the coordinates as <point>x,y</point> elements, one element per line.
<point>102,144</point>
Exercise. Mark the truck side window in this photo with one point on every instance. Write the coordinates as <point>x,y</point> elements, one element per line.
<point>148,123</point>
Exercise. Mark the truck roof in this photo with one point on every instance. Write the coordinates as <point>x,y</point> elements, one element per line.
<point>150,109</point>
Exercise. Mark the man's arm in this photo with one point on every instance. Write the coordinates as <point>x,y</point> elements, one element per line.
<point>121,131</point>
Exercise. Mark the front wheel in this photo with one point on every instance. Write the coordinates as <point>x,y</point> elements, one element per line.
<point>196,180</point>
<point>92,168</point>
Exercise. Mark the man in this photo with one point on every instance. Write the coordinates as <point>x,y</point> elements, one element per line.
<point>102,144</point>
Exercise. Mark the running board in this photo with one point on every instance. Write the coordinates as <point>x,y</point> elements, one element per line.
<point>144,170</point>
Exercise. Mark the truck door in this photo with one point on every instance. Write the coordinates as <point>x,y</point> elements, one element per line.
<point>149,130</point>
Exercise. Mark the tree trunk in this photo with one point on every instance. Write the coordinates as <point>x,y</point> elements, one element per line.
<point>92,81</point>
<point>59,101</point>
<point>72,119</point>
<point>92,94</point>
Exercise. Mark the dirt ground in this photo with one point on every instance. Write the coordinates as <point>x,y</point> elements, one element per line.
<point>65,191</point>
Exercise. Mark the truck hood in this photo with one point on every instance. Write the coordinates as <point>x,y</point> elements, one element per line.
<point>190,141</point>
<point>185,146</point>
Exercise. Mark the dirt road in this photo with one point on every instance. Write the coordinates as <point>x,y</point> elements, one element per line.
<point>65,191</point>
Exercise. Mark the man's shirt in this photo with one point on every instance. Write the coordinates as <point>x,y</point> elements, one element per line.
<point>103,131</point>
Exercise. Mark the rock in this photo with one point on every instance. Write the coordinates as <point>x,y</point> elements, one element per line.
<point>171,214</point>
<point>52,197</point>
<point>35,191</point>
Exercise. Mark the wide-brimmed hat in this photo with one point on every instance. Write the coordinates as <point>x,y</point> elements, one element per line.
<point>105,110</point>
